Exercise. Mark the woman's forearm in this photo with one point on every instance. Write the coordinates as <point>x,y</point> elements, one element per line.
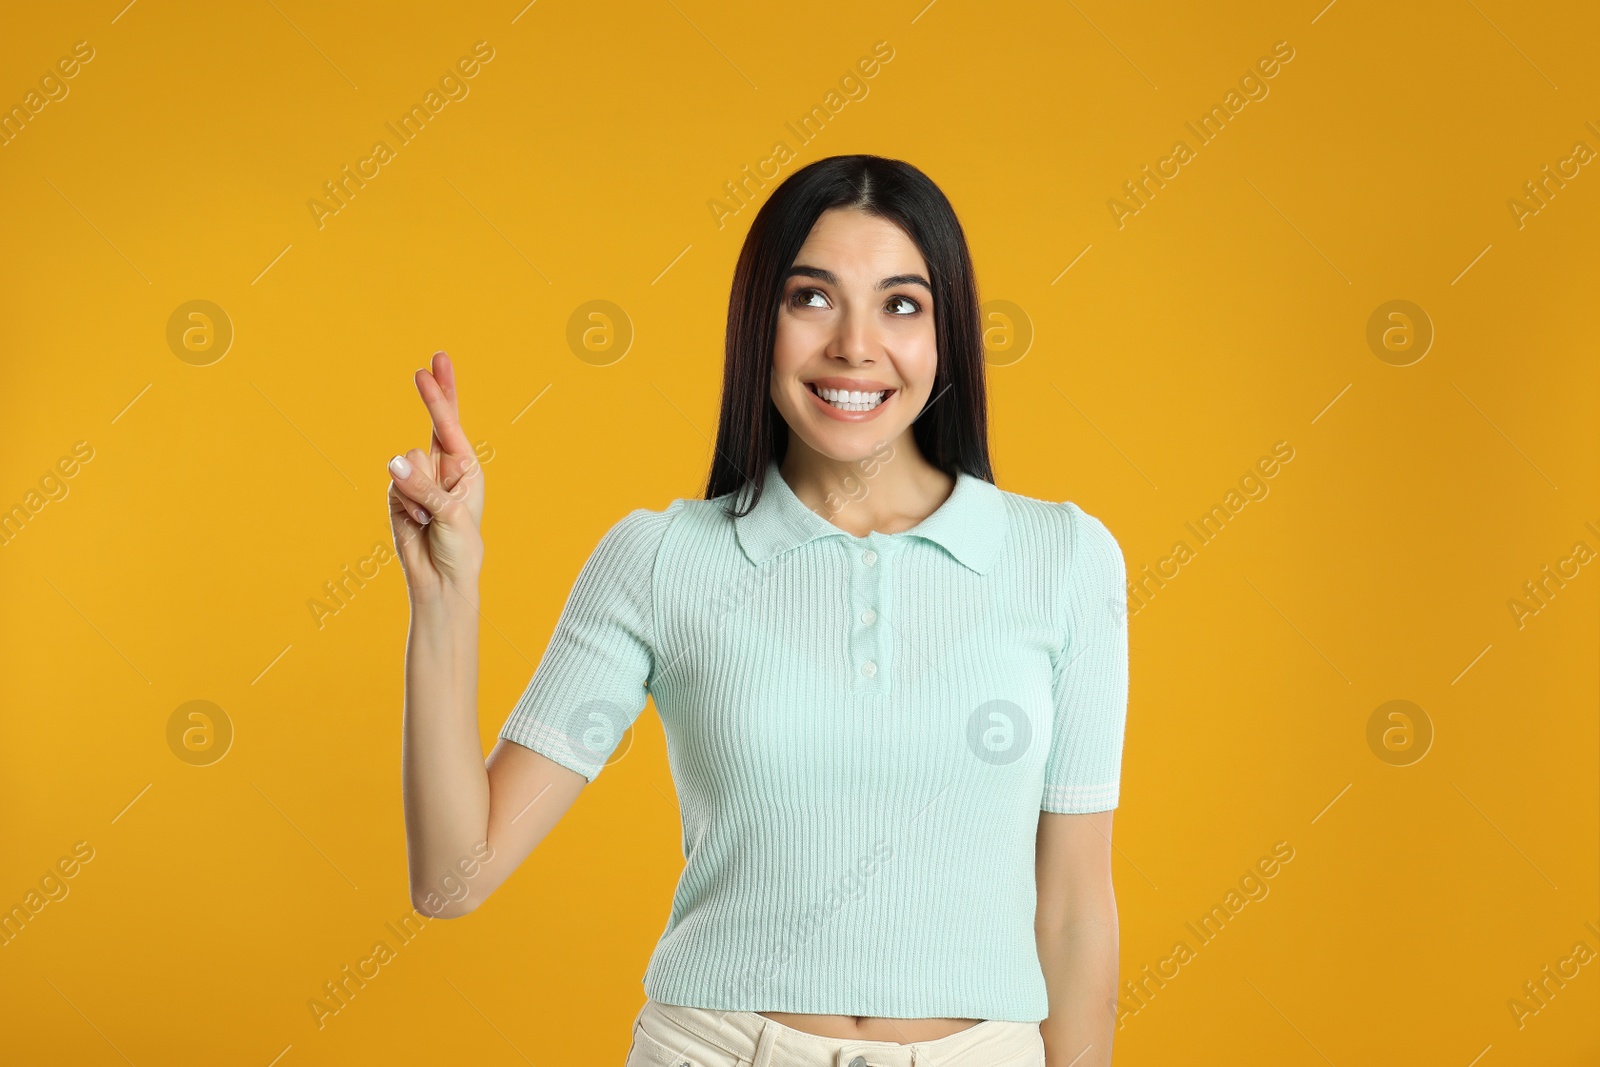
<point>444,783</point>
<point>1080,968</point>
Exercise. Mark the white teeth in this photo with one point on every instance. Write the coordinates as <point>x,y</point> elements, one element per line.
<point>852,400</point>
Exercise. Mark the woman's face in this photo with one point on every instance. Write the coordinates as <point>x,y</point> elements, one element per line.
<point>856,317</point>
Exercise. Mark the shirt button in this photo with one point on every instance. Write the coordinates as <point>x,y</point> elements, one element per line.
<point>869,668</point>
<point>859,1061</point>
<point>869,557</point>
<point>869,616</point>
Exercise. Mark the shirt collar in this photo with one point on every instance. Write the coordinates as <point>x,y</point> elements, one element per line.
<point>970,524</point>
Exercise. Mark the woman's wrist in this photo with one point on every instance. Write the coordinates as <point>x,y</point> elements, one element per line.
<point>446,598</point>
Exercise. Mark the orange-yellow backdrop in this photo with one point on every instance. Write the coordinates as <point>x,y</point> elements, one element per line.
<point>1144,358</point>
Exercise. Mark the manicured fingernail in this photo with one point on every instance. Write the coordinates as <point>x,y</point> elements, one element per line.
<point>422,516</point>
<point>401,468</point>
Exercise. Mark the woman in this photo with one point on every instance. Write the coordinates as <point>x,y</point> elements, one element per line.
<point>893,694</point>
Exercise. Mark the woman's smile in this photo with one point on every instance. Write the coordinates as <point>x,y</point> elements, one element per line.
<point>850,400</point>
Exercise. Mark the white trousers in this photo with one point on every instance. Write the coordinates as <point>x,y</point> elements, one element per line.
<point>671,1035</point>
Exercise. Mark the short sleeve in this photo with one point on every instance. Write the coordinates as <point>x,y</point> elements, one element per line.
<point>592,680</point>
<point>1083,770</point>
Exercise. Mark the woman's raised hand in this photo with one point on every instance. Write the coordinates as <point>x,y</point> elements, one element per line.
<point>436,498</point>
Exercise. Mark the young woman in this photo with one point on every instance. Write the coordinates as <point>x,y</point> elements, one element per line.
<point>893,693</point>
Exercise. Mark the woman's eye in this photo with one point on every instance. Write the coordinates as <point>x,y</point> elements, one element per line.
<point>897,305</point>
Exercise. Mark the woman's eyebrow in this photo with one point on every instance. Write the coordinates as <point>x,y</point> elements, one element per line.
<point>887,283</point>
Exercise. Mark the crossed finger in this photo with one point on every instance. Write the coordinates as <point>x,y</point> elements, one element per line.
<point>423,496</point>
<point>449,450</point>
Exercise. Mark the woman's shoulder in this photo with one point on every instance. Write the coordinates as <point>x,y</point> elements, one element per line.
<point>635,538</point>
<point>1061,517</point>
<point>1059,529</point>
<point>645,529</point>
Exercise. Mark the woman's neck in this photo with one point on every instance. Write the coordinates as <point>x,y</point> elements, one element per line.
<point>872,494</point>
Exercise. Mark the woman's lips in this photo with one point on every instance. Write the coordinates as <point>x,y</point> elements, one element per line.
<point>850,416</point>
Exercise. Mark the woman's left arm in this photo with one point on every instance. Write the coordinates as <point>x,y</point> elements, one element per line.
<point>1076,928</point>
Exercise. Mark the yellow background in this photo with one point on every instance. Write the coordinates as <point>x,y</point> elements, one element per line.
<point>1227,315</point>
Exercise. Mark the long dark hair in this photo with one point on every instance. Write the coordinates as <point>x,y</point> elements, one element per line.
<point>953,429</point>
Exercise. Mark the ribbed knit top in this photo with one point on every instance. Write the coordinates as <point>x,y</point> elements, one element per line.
<point>862,732</point>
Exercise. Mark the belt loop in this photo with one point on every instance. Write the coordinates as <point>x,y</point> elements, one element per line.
<point>765,1043</point>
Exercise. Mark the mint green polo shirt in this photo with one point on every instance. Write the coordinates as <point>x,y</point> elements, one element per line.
<point>862,732</point>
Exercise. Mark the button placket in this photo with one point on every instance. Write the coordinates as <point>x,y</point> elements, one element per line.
<point>871,576</point>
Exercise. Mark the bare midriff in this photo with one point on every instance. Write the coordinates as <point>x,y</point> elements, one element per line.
<point>871,1028</point>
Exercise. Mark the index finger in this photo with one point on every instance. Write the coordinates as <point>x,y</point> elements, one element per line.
<point>438,389</point>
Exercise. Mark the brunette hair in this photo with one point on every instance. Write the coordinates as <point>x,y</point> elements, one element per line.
<point>952,430</point>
